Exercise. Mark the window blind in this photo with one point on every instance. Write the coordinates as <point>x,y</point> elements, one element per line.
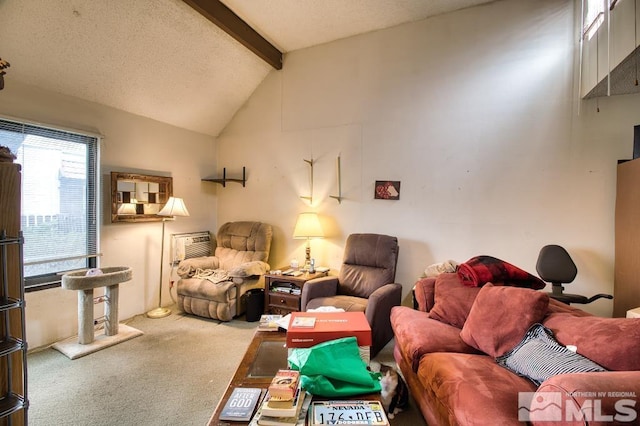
<point>59,212</point>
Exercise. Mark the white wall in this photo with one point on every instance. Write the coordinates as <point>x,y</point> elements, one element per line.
<point>131,144</point>
<point>475,112</point>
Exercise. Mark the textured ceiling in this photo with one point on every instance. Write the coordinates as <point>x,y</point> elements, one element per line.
<point>161,59</point>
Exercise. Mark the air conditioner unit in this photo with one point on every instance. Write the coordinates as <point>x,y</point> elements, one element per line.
<point>190,244</point>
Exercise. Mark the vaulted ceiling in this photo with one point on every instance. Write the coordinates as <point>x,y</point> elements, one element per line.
<point>162,59</point>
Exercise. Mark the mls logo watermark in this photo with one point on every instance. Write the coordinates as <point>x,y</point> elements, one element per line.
<point>594,406</point>
<point>543,406</point>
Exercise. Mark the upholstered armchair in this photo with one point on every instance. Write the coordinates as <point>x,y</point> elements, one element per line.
<point>365,283</point>
<point>216,286</point>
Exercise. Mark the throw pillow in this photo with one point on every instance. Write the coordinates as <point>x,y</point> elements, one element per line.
<point>500,317</point>
<point>611,342</point>
<point>453,300</point>
<point>539,356</point>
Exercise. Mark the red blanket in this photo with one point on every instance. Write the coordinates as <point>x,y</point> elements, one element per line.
<point>480,270</point>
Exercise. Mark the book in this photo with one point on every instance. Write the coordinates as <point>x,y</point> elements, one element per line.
<point>306,322</point>
<point>268,322</point>
<point>241,403</point>
<point>284,321</point>
<point>329,326</point>
<point>291,411</point>
<point>284,384</point>
<point>347,413</point>
<point>299,419</point>
<point>282,403</point>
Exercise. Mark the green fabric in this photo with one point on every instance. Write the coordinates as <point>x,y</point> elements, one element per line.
<point>334,369</point>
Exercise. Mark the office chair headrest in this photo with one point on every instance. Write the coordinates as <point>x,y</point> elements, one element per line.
<point>555,265</point>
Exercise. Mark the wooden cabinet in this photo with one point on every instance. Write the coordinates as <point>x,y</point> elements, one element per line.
<point>626,288</point>
<point>13,346</point>
<point>282,292</point>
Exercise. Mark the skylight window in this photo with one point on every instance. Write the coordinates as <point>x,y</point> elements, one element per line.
<point>594,17</point>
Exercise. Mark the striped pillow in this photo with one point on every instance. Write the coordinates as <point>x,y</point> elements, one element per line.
<point>539,356</point>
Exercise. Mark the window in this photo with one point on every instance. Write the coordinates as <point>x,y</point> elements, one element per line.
<point>593,17</point>
<point>59,211</point>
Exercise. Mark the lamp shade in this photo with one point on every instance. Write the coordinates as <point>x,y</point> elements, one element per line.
<point>127,208</point>
<point>174,207</point>
<point>308,226</point>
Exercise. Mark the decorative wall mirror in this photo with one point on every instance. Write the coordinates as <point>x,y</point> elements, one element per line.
<point>138,198</point>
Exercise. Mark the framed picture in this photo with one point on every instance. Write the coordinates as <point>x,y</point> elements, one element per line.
<point>138,198</point>
<point>387,190</point>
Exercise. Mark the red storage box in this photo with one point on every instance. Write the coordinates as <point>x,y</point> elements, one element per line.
<point>328,326</point>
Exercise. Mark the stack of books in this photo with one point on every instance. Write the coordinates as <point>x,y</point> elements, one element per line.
<point>284,385</point>
<point>269,322</point>
<point>285,288</point>
<point>285,402</point>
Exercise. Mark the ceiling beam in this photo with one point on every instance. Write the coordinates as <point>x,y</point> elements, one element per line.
<point>231,23</point>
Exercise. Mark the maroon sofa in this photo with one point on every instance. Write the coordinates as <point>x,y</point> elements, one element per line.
<point>447,350</point>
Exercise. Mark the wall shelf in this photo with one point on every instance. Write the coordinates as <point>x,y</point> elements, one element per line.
<point>310,197</point>
<point>223,181</point>
<point>339,181</point>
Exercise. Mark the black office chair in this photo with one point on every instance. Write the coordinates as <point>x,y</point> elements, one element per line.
<point>556,266</point>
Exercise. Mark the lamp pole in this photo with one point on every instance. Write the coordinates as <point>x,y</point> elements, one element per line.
<point>160,312</point>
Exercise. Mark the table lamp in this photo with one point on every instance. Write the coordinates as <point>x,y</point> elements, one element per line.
<point>174,207</point>
<point>307,227</point>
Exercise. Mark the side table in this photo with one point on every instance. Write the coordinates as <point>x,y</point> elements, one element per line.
<point>282,292</point>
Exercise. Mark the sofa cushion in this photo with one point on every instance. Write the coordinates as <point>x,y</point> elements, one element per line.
<point>557,307</point>
<point>467,389</point>
<point>453,300</point>
<point>611,342</point>
<point>539,356</point>
<point>500,317</point>
<point>416,335</point>
<point>618,407</point>
<point>424,293</point>
<point>348,303</point>
<point>188,267</point>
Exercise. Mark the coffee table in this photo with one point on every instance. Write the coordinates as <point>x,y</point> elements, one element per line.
<point>265,355</point>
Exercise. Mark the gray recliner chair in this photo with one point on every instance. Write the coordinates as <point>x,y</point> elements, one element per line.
<point>216,286</point>
<point>365,283</point>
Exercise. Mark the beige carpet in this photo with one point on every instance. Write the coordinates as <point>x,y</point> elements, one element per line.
<point>174,374</point>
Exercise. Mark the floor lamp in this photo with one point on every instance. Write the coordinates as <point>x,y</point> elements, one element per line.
<point>174,207</point>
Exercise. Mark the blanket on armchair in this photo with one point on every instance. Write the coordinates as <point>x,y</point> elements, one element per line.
<point>480,270</point>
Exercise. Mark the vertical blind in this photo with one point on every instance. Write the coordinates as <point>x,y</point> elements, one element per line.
<point>59,218</point>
